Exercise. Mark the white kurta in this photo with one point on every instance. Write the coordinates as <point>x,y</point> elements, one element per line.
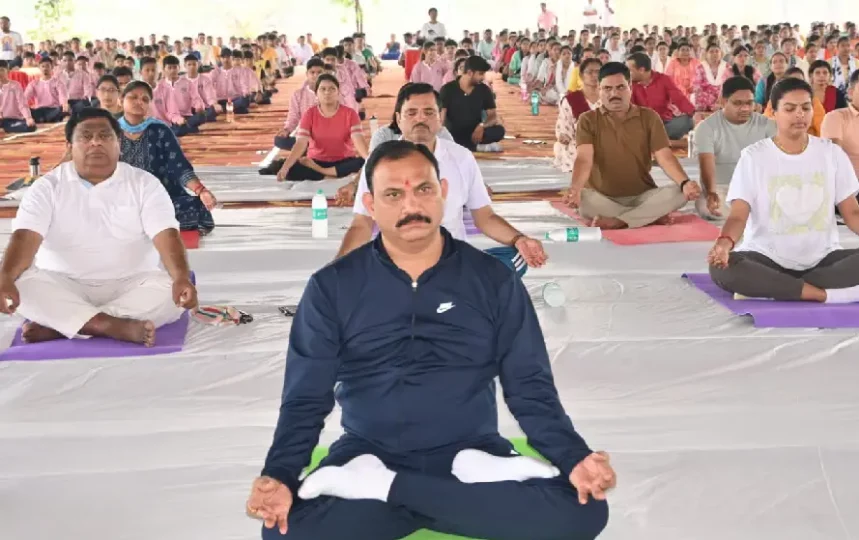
<point>97,254</point>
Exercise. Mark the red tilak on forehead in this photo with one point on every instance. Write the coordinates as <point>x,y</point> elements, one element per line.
<point>408,183</point>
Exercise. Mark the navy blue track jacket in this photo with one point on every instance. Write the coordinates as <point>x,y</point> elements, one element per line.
<point>416,361</point>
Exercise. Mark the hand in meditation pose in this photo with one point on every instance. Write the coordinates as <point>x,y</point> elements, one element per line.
<point>86,245</point>
<point>412,356</point>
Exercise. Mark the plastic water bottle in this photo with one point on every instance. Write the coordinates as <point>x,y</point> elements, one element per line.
<point>553,294</point>
<point>319,223</point>
<point>535,103</point>
<point>230,112</point>
<point>374,125</point>
<point>691,149</point>
<point>524,88</point>
<point>575,234</point>
<point>35,171</point>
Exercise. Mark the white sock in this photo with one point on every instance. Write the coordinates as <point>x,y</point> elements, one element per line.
<point>365,477</point>
<point>842,296</point>
<point>476,467</point>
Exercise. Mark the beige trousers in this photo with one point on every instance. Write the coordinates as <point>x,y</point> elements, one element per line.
<point>66,305</point>
<point>636,211</point>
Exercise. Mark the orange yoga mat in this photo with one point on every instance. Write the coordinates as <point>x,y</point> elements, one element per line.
<point>686,228</point>
<point>191,239</point>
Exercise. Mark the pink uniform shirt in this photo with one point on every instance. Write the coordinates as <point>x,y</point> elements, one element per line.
<point>434,74</point>
<point>12,102</point>
<point>205,89</point>
<point>79,84</point>
<point>163,105</point>
<point>186,96</point>
<point>301,101</point>
<point>46,93</point>
<point>229,83</point>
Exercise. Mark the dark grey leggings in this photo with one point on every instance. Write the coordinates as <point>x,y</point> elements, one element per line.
<point>757,276</point>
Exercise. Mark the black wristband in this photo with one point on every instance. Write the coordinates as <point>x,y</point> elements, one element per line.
<point>683,183</point>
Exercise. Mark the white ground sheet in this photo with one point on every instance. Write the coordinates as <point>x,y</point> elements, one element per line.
<point>244,184</point>
<point>718,430</point>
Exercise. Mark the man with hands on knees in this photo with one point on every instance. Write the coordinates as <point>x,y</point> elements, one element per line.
<point>87,240</point>
<point>611,185</point>
<point>412,355</point>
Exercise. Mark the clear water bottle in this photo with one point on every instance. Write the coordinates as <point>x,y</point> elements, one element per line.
<point>35,169</point>
<point>535,103</point>
<point>374,125</point>
<point>524,88</point>
<point>691,149</point>
<point>575,234</point>
<point>231,116</point>
<point>553,294</point>
<point>319,208</point>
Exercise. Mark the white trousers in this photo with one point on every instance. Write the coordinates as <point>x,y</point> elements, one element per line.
<point>66,305</point>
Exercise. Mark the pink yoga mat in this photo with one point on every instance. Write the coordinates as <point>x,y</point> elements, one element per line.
<point>686,228</point>
<point>169,338</point>
<point>772,314</point>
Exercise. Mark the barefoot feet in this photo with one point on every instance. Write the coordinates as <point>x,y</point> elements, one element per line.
<point>608,223</point>
<point>665,220</point>
<point>131,330</point>
<point>36,333</point>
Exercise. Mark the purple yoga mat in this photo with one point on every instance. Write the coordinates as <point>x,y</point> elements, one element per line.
<point>772,314</point>
<point>169,338</point>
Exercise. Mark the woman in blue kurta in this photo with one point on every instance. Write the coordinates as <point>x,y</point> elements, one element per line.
<point>150,145</point>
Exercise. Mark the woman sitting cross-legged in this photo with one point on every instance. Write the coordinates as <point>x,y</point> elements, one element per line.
<point>331,134</point>
<point>150,144</point>
<point>783,196</point>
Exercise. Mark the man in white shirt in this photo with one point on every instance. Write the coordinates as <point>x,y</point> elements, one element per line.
<point>420,121</point>
<point>607,16</point>
<point>302,51</point>
<point>10,42</point>
<point>87,246</point>
<point>592,16</point>
<point>433,29</point>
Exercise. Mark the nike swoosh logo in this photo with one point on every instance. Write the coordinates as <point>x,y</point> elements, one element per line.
<point>445,307</point>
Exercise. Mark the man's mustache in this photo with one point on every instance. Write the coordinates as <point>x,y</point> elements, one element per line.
<point>413,217</point>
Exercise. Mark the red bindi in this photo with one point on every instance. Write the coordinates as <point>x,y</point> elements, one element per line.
<point>408,184</point>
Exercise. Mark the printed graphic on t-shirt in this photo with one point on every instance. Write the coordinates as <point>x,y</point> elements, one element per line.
<point>797,206</point>
<point>7,43</point>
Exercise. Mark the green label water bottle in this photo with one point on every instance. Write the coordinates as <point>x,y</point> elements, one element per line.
<point>535,103</point>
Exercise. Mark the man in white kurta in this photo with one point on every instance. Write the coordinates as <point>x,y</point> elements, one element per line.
<point>89,239</point>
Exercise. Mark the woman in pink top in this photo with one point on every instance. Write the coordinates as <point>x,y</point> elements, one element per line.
<point>331,134</point>
<point>682,68</point>
<point>709,76</point>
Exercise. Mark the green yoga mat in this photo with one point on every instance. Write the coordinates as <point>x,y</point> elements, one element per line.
<point>521,446</point>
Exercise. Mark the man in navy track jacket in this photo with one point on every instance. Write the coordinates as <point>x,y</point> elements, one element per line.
<point>408,334</point>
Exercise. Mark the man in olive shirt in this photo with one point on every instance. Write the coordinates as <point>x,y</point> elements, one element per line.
<point>612,186</point>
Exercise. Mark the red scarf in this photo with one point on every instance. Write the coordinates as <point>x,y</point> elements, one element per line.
<point>578,102</point>
<point>829,99</point>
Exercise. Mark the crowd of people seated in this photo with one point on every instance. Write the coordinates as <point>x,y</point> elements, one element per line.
<point>776,133</point>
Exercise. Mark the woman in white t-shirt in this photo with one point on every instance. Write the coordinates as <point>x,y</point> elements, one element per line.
<point>783,196</point>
